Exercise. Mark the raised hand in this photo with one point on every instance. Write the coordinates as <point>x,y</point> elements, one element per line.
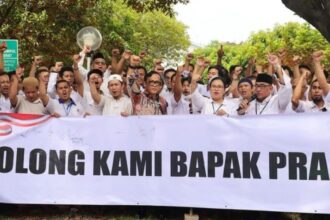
<point>273,59</point>
<point>221,52</point>
<point>87,49</point>
<point>252,61</point>
<point>142,54</point>
<point>296,59</point>
<point>135,60</point>
<point>189,57</point>
<point>158,62</point>
<point>3,47</point>
<point>115,52</point>
<point>317,56</point>
<point>37,60</point>
<point>127,54</point>
<point>281,53</point>
<point>76,58</point>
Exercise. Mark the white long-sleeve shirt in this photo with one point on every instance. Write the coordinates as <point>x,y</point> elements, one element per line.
<point>210,107</point>
<point>273,104</point>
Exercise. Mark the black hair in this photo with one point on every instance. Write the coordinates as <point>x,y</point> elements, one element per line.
<point>64,69</point>
<point>11,73</point>
<point>97,55</point>
<point>223,73</point>
<point>304,67</point>
<point>169,70</point>
<point>314,81</point>
<point>218,78</point>
<point>232,68</point>
<point>326,73</point>
<point>96,71</point>
<point>251,78</point>
<point>3,73</point>
<point>186,79</point>
<point>143,68</point>
<point>192,66</point>
<point>61,81</point>
<point>39,71</point>
<point>150,74</point>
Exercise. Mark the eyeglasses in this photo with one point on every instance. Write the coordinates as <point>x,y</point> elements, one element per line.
<point>99,63</point>
<point>154,83</point>
<point>262,86</point>
<point>217,87</point>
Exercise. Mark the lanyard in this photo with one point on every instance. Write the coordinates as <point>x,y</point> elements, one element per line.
<point>215,111</point>
<point>256,107</point>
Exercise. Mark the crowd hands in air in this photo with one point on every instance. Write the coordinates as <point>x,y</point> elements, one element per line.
<point>125,87</point>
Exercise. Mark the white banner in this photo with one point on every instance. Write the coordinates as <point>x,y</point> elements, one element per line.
<point>273,163</point>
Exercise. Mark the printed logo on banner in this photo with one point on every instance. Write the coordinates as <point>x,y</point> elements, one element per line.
<point>8,121</point>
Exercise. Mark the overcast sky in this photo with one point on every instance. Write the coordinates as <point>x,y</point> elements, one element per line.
<point>231,20</point>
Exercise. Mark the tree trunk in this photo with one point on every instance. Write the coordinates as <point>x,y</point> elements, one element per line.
<point>315,12</point>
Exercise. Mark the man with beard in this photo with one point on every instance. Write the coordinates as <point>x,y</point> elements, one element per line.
<point>316,105</point>
<point>266,101</point>
<point>319,72</point>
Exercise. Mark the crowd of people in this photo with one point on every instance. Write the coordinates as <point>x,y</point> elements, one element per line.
<point>125,87</point>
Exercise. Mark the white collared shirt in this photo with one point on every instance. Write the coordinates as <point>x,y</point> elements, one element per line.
<point>184,106</point>
<point>210,107</point>
<point>67,109</point>
<point>202,89</point>
<point>273,104</point>
<point>310,106</point>
<point>90,106</point>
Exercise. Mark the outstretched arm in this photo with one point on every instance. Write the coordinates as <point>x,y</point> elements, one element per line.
<point>317,58</point>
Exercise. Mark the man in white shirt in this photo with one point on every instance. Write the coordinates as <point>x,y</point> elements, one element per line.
<point>5,105</point>
<point>95,76</point>
<point>246,91</point>
<point>97,62</point>
<point>265,102</point>
<point>180,101</point>
<point>117,103</point>
<point>316,105</point>
<point>64,105</point>
<point>319,72</point>
<point>30,103</point>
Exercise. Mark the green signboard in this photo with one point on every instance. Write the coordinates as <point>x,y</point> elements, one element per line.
<point>10,56</point>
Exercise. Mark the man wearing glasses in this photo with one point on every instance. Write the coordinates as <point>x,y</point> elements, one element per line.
<point>265,102</point>
<point>148,102</point>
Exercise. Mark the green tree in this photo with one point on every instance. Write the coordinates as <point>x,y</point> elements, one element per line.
<point>50,27</point>
<point>297,39</point>
<point>160,35</point>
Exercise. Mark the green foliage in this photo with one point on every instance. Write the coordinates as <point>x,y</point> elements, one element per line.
<point>154,32</point>
<point>297,39</point>
<point>49,28</point>
<point>149,5</point>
